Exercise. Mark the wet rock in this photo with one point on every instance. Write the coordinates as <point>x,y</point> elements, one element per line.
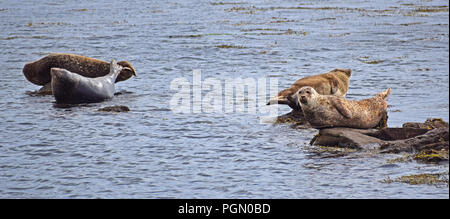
<point>435,139</point>
<point>431,156</point>
<point>122,92</point>
<point>295,117</point>
<point>424,178</point>
<point>114,109</point>
<point>347,137</point>
<point>391,134</point>
<point>428,124</point>
<point>43,91</point>
<point>429,140</point>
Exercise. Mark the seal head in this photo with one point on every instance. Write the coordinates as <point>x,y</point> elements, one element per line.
<point>126,72</point>
<point>305,94</point>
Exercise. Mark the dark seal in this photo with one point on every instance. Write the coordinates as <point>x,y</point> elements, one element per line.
<point>73,88</point>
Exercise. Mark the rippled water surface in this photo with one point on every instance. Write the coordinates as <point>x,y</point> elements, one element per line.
<point>151,152</point>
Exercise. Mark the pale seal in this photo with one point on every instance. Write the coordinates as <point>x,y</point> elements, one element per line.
<point>38,72</point>
<point>325,111</point>
<point>334,82</point>
<point>68,87</point>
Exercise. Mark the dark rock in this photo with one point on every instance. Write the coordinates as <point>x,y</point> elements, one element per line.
<point>390,134</point>
<point>296,118</point>
<point>428,124</point>
<point>45,90</point>
<point>122,92</point>
<point>436,139</point>
<point>115,109</point>
<point>347,137</point>
<point>432,155</point>
<point>430,140</point>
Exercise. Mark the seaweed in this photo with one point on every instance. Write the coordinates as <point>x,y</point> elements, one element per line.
<point>186,36</point>
<point>228,3</point>
<point>419,179</point>
<point>431,156</point>
<point>82,9</point>
<point>223,46</point>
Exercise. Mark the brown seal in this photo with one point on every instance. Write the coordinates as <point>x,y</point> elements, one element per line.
<point>324,111</point>
<point>38,72</point>
<point>334,82</point>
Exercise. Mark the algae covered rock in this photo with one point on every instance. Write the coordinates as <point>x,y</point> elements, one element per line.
<point>295,117</point>
<point>116,109</point>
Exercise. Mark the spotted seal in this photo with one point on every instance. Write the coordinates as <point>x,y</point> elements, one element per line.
<point>325,111</point>
<point>334,82</point>
<point>72,88</point>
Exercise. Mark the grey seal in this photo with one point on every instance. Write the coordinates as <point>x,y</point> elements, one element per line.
<point>73,88</point>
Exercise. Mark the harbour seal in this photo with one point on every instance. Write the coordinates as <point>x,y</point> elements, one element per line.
<point>38,72</point>
<point>334,82</point>
<point>68,87</point>
<point>325,111</point>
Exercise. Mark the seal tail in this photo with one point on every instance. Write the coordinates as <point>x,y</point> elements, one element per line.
<point>384,94</point>
<point>277,100</point>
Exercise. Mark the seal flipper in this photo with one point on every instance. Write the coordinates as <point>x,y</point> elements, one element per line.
<point>341,108</point>
<point>281,97</point>
<point>334,87</point>
<point>384,94</point>
<point>293,102</point>
<point>114,69</point>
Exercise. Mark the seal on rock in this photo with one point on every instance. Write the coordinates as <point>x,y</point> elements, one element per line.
<point>325,111</point>
<point>334,82</point>
<point>68,87</point>
<point>38,72</point>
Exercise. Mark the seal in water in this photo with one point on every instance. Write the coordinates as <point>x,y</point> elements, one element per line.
<point>38,72</point>
<point>325,111</point>
<point>68,87</point>
<point>334,82</point>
